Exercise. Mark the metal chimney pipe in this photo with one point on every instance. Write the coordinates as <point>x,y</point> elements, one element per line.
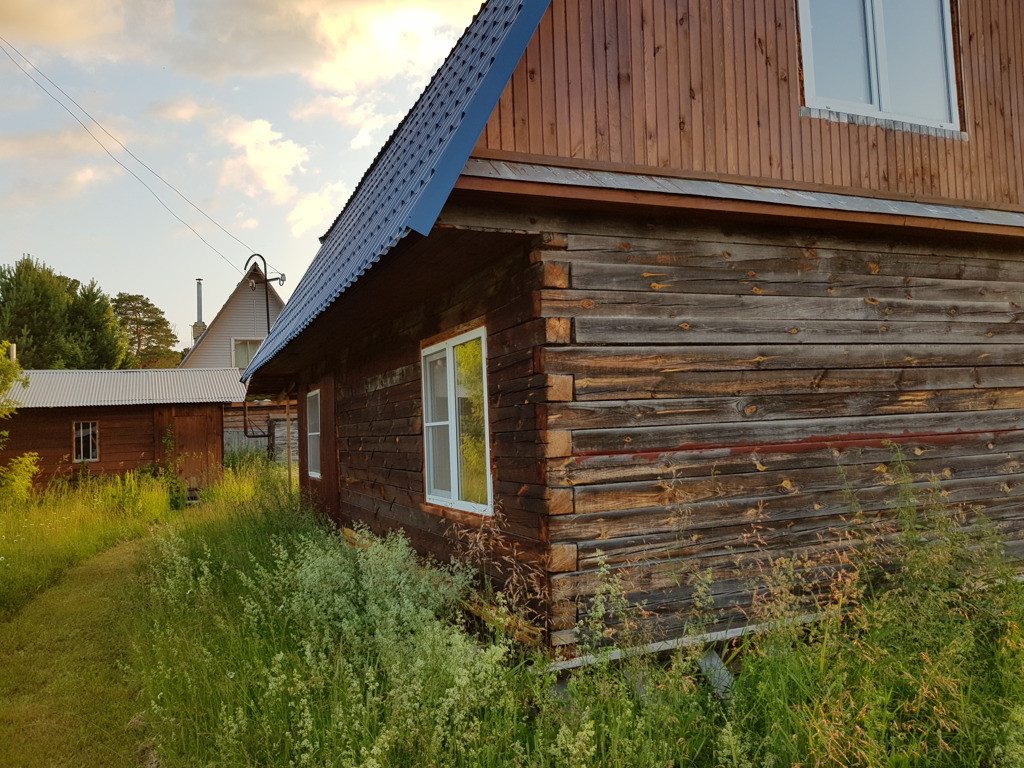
<point>198,326</point>
<point>12,352</point>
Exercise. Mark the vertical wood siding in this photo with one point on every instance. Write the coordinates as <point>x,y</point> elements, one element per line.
<point>129,437</point>
<point>712,88</point>
<point>728,386</point>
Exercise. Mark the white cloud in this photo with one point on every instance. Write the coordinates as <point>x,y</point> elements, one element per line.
<point>267,163</point>
<point>185,109</point>
<point>109,30</point>
<point>368,43</point>
<point>65,22</point>
<point>42,190</point>
<point>317,208</point>
<point>345,110</point>
<point>241,222</point>
<point>48,145</point>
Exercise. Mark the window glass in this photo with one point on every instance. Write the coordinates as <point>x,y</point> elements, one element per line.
<point>891,59</point>
<point>455,423</point>
<point>915,67</point>
<point>839,37</point>
<point>439,449</point>
<point>472,434</point>
<point>313,433</point>
<point>245,351</point>
<point>435,370</point>
<point>86,441</point>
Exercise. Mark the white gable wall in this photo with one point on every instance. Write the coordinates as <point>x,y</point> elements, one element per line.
<point>243,317</point>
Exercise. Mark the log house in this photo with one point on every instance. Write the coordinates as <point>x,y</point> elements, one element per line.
<point>692,277</point>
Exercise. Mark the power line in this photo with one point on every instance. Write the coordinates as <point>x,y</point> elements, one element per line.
<point>128,151</point>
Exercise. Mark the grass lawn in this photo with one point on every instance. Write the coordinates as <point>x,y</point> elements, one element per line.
<point>67,697</point>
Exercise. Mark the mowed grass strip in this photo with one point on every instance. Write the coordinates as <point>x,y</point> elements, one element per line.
<point>67,697</point>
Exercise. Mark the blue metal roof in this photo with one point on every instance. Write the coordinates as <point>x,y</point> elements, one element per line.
<point>412,176</point>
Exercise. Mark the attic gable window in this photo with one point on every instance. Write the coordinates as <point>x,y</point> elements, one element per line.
<point>888,59</point>
<point>245,350</point>
<point>86,441</point>
<point>456,440</point>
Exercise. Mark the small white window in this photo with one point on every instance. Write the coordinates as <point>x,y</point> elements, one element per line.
<point>86,441</point>
<point>890,59</point>
<point>313,432</point>
<point>456,442</point>
<point>245,351</point>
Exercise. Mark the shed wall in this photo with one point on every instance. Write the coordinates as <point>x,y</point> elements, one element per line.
<point>129,437</point>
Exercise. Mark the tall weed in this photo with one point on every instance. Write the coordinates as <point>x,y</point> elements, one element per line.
<point>269,640</point>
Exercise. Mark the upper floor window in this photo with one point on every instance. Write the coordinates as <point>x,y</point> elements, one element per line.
<point>313,433</point>
<point>890,59</point>
<point>86,441</point>
<point>457,450</point>
<point>245,350</point>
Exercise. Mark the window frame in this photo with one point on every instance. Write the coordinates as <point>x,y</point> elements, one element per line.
<point>877,60</point>
<point>448,345</point>
<point>78,442</point>
<point>235,342</point>
<point>316,474</point>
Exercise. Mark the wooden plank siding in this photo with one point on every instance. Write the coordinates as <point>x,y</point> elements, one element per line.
<point>730,386</point>
<point>713,90</point>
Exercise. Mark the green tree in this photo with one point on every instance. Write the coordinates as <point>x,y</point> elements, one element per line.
<point>10,375</point>
<point>56,321</point>
<point>151,336</point>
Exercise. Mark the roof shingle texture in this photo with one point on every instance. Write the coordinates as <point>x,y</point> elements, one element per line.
<point>412,176</point>
<point>163,386</point>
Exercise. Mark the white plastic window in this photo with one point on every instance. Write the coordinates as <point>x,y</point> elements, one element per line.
<point>86,441</point>
<point>455,426</point>
<point>245,351</point>
<point>313,433</point>
<point>890,59</point>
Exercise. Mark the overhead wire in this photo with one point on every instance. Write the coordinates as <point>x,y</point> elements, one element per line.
<point>128,151</point>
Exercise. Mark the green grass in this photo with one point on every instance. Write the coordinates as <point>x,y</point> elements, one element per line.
<point>43,534</point>
<point>67,695</point>
<point>270,641</point>
<point>255,635</point>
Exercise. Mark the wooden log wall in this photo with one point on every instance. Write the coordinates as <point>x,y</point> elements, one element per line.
<point>712,89</point>
<point>378,410</point>
<point>727,386</point>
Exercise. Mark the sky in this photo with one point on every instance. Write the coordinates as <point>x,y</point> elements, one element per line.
<point>263,113</point>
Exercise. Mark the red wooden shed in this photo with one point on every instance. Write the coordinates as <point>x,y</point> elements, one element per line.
<point>109,422</point>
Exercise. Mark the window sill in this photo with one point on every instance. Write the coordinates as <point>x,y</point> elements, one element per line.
<point>836,116</point>
<point>461,516</point>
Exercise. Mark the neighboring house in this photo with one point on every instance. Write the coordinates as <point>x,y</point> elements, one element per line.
<point>232,338</point>
<point>110,422</point>
<point>632,278</point>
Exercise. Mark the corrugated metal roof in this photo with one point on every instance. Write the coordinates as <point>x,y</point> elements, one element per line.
<point>412,176</point>
<point>162,386</point>
<point>579,177</point>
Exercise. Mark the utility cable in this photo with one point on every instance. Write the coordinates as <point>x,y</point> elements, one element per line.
<point>128,151</point>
